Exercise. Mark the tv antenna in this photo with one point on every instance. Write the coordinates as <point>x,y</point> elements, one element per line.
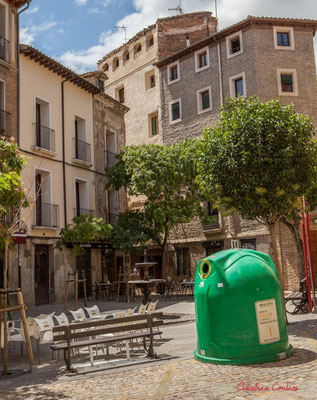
<point>178,8</point>
<point>124,28</point>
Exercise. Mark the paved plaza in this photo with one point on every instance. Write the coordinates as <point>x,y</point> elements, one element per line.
<point>180,376</point>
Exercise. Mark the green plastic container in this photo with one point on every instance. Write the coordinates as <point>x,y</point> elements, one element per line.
<point>239,309</point>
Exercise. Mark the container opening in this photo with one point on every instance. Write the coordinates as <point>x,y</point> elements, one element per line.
<point>205,269</point>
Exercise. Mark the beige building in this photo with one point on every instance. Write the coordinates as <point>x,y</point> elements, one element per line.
<point>134,81</point>
<point>59,137</point>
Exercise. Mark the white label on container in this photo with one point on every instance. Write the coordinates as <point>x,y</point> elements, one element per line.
<point>267,321</point>
<point>220,284</point>
<point>202,352</point>
<point>202,284</point>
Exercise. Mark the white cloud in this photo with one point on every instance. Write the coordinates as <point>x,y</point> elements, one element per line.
<point>81,2</point>
<point>28,34</point>
<point>147,11</point>
<point>94,11</point>
<point>32,10</point>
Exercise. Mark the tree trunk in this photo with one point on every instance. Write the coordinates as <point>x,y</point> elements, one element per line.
<point>295,231</point>
<point>5,302</point>
<point>272,227</point>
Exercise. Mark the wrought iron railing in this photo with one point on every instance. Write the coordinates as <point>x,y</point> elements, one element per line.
<point>4,49</point>
<point>5,123</point>
<point>46,215</point>
<point>82,150</point>
<point>83,211</point>
<point>44,137</point>
<point>110,159</point>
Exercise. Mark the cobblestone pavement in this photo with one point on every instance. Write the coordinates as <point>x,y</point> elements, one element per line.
<point>185,378</point>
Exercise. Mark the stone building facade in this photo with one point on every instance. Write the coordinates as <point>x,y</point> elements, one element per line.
<point>268,57</point>
<point>65,120</point>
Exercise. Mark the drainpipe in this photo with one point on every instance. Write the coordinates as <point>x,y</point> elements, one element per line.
<point>63,153</point>
<point>220,74</point>
<point>18,68</point>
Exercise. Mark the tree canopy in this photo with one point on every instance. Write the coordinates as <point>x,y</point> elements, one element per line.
<point>84,229</point>
<point>258,160</point>
<point>165,178</point>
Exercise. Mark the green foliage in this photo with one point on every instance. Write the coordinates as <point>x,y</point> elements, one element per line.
<point>258,160</point>
<point>11,164</point>
<point>84,229</point>
<point>164,177</point>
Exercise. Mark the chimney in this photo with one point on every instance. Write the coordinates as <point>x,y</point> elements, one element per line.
<point>187,40</point>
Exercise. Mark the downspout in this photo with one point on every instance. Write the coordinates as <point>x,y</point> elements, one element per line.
<point>18,68</point>
<point>220,74</point>
<point>63,153</point>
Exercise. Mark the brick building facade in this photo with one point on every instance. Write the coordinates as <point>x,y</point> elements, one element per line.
<point>268,57</point>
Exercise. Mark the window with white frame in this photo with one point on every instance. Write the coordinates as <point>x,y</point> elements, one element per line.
<point>81,198</point>
<point>283,38</point>
<point>287,82</point>
<point>150,79</point>
<point>4,33</point>
<point>204,103</point>
<point>234,44</point>
<point>175,111</point>
<point>237,85</point>
<point>173,73</point>
<point>202,59</point>
<point>153,124</point>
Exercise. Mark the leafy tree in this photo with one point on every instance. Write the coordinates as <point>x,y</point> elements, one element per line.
<point>84,229</point>
<point>165,178</point>
<point>258,161</point>
<point>13,200</point>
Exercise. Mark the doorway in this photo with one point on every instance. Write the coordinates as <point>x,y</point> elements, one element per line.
<point>83,263</point>
<point>313,240</point>
<point>41,274</point>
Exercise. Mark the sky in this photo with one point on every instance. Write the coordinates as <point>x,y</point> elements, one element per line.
<point>78,33</point>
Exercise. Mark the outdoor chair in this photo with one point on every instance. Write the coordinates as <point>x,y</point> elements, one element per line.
<point>151,309</point>
<point>45,331</point>
<point>14,334</point>
<point>142,309</point>
<point>61,319</point>
<point>78,315</point>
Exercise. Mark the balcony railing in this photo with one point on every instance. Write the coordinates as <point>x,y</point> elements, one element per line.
<point>4,49</point>
<point>112,218</point>
<point>82,150</point>
<point>44,137</point>
<point>47,215</point>
<point>5,123</point>
<point>211,223</point>
<point>110,159</point>
<point>83,211</point>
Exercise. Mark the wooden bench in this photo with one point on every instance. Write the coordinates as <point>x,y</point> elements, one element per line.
<point>93,332</point>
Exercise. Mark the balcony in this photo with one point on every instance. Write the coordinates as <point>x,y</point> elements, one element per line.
<point>4,49</point>
<point>5,123</point>
<point>82,151</point>
<point>83,211</point>
<point>44,138</point>
<point>110,159</point>
<point>211,223</point>
<point>46,215</point>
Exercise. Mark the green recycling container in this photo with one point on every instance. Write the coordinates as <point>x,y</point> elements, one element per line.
<point>239,309</point>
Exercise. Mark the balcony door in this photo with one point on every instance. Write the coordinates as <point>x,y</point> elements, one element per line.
<point>41,274</point>
<point>38,125</point>
<point>39,207</point>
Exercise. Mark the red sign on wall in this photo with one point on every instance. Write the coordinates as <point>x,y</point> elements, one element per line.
<point>19,238</point>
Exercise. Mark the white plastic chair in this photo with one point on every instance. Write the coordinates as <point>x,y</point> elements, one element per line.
<point>14,334</point>
<point>151,307</point>
<point>142,309</point>
<point>78,315</point>
<point>94,312</point>
<point>61,319</point>
<point>45,330</point>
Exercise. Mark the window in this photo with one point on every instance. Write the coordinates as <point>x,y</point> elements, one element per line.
<point>204,100</point>
<point>100,84</point>
<point>150,79</point>
<point>248,244</point>
<point>81,198</point>
<point>283,38</point>
<point>137,49</point>
<point>202,59</point>
<point>115,63</point>
<point>211,220</point>
<point>175,111</point>
<point>5,117</point>
<point>153,124</point>
<point>234,44</point>
<point>173,73</point>
<point>149,41</point>
<point>126,57</point>
<point>82,149</point>
<point>121,95</point>
<point>44,136</point>
<point>183,262</point>
<point>237,85</point>
<point>46,214</point>
<point>105,67</point>
<point>4,43</point>
<point>287,82</point>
